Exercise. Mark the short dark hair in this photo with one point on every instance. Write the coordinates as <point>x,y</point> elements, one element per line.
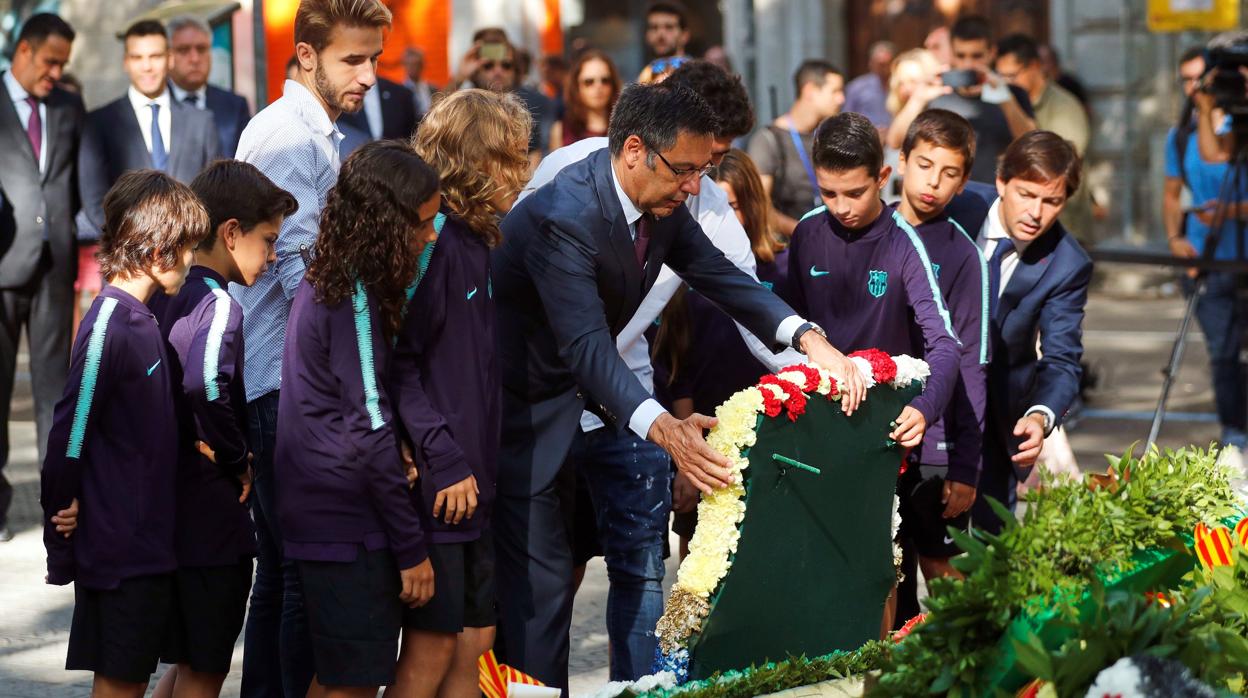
<point>38,27</point>
<point>657,114</point>
<point>848,141</point>
<point>812,71</point>
<point>149,219</point>
<point>144,27</point>
<point>1191,53</point>
<point>1024,48</point>
<point>667,7</point>
<point>1041,156</point>
<point>235,189</point>
<point>943,129</point>
<point>724,92</point>
<point>971,28</point>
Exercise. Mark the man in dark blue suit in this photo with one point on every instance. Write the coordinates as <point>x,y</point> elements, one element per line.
<point>190,46</point>
<point>144,128</point>
<point>577,258</point>
<point>1038,286</point>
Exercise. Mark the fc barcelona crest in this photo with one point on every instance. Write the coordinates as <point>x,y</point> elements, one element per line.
<point>877,282</point>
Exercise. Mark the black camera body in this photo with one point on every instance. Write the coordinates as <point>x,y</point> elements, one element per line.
<point>1225,55</point>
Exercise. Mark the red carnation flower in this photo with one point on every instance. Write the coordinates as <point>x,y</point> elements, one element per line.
<point>883,368</point>
<point>796,403</point>
<point>909,626</point>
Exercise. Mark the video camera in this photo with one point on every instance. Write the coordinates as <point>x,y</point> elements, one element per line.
<point>1225,56</point>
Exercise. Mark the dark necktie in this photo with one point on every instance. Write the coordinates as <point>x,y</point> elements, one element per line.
<point>160,157</point>
<point>642,242</point>
<point>34,127</point>
<point>1004,247</point>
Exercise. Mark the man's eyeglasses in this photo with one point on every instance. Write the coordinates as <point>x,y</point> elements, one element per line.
<point>590,82</point>
<point>685,173</point>
<point>491,65</point>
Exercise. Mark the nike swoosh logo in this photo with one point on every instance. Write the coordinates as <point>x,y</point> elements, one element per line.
<point>153,368</point>
<point>948,540</point>
<point>816,272</point>
<point>472,293</point>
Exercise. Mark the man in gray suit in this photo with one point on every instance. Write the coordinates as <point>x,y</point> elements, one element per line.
<point>40,128</point>
<point>190,43</point>
<point>145,128</point>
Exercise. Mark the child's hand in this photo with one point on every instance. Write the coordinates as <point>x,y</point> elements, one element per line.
<point>244,479</point>
<point>417,584</point>
<point>409,463</point>
<point>910,428</point>
<point>66,520</point>
<point>957,498</point>
<point>460,500</point>
<point>206,451</point>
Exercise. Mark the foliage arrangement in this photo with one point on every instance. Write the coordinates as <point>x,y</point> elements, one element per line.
<point>1061,563</point>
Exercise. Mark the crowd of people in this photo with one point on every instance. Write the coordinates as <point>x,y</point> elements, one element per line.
<point>421,353</point>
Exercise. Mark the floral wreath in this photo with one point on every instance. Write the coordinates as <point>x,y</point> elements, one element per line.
<point>720,513</point>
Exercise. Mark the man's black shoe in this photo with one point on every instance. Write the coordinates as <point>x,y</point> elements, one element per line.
<point>5,534</point>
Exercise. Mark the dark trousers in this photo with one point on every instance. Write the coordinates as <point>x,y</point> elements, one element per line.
<point>997,480</point>
<point>45,307</point>
<point>1217,311</point>
<point>630,484</point>
<point>277,646</point>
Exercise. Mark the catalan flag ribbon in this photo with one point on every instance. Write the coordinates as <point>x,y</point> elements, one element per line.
<point>495,678</point>
<point>1241,532</point>
<point>1213,545</point>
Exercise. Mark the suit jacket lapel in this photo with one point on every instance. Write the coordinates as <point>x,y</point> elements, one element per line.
<point>177,137</point>
<point>621,240</point>
<point>11,125</point>
<point>54,128</point>
<point>1031,266</point>
<point>129,123</point>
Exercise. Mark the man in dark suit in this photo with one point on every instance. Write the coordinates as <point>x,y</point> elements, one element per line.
<point>1038,285</point>
<point>40,129</point>
<point>145,128</point>
<point>577,258</point>
<point>190,46</point>
<point>389,112</point>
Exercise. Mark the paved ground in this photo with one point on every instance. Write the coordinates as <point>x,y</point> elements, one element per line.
<point>1127,347</point>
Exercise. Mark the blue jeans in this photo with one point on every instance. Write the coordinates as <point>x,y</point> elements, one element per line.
<point>277,648</point>
<point>1217,311</point>
<point>630,483</point>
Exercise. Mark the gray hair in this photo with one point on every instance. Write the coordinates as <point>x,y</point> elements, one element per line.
<point>177,24</point>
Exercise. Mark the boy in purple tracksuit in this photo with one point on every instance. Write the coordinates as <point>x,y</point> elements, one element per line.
<point>938,488</point>
<point>203,327</point>
<point>110,469</point>
<point>446,384</point>
<point>345,513</point>
<point>860,271</point>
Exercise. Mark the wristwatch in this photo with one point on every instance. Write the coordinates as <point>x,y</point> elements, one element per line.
<point>1048,423</point>
<point>803,329</point>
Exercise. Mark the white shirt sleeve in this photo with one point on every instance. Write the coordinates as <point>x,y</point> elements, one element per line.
<point>644,416</point>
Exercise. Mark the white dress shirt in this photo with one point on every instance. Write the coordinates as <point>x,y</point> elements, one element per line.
<point>719,222</point>
<point>201,96</point>
<point>993,233</point>
<point>143,112</point>
<point>372,110</point>
<point>293,142</point>
<point>19,94</point>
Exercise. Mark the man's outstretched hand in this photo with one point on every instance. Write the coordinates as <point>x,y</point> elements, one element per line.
<point>1031,428</point>
<point>819,351</point>
<point>683,441</point>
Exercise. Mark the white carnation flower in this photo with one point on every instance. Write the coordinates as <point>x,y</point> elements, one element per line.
<point>1122,680</point>
<point>864,368</point>
<point>910,369</point>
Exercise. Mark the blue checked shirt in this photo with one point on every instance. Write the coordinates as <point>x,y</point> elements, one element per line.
<point>294,143</point>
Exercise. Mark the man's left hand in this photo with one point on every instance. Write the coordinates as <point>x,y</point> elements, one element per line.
<point>911,425</point>
<point>1031,427</point>
<point>853,390</point>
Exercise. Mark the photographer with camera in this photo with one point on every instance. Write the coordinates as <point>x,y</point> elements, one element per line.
<point>1197,158</point>
<point>999,112</point>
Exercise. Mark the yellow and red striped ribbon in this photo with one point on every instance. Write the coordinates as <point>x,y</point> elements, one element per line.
<point>494,677</point>
<point>1241,532</point>
<point>1213,546</point>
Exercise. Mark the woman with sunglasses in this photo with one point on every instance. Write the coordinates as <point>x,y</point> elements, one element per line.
<point>590,93</point>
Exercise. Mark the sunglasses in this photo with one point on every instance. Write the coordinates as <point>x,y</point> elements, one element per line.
<point>662,65</point>
<point>590,82</point>
<point>491,65</point>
